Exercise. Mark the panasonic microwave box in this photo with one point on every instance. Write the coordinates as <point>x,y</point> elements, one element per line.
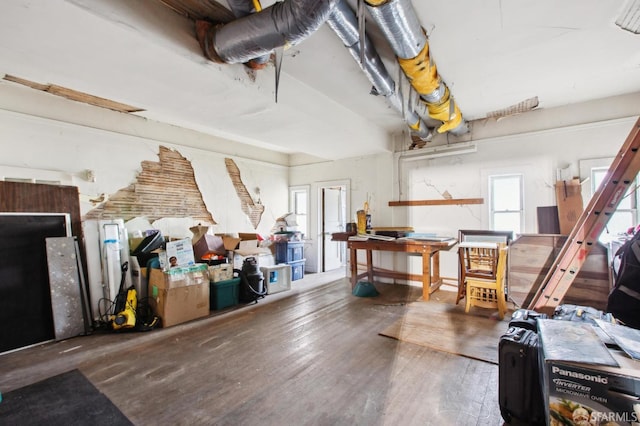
<point>584,381</point>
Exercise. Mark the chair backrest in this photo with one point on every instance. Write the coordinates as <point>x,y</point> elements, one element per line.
<point>484,235</point>
<point>479,259</point>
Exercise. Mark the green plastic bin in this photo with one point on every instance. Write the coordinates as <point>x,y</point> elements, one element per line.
<point>223,294</point>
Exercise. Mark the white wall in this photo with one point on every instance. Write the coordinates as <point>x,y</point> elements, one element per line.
<point>370,178</point>
<point>30,142</point>
<point>44,140</point>
<point>538,154</point>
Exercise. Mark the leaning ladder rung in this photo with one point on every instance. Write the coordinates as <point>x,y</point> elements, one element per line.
<point>589,226</point>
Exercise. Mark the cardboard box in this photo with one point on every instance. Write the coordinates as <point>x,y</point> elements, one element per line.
<point>221,272</point>
<point>569,201</point>
<point>583,390</point>
<point>180,294</point>
<point>198,232</point>
<point>230,243</point>
<point>247,236</point>
<point>182,251</point>
<point>209,245</point>
<point>179,276</point>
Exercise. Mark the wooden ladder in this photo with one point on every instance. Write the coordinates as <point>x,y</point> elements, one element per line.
<point>589,226</point>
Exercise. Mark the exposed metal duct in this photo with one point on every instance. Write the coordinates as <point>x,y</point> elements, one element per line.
<point>399,23</point>
<point>344,23</point>
<point>284,23</point>
<point>240,9</point>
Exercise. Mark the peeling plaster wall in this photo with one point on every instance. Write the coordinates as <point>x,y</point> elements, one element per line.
<point>30,142</point>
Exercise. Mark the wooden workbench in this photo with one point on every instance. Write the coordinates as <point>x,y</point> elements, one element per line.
<point>430,251</point>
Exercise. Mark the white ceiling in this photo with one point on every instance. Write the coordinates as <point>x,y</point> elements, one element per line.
<point>491,53</point>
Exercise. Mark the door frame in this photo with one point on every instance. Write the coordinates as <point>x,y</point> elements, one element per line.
<point>346,184</point>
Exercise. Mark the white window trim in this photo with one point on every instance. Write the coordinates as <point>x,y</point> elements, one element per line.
<point>301,188</point>
<point>522,210</point>
<point>529,224</point>
<point>26,174</point>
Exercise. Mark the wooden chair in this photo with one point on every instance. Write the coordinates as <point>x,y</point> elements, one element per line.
<point>476,260</point>
<point>489,293</point>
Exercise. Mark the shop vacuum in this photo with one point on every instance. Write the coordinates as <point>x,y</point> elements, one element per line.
<point>251,281</point>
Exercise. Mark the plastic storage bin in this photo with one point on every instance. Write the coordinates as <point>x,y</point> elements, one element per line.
<point>297,270</point>
<point>224,294</point>
<point>276,278</point>
<point>289,251</point>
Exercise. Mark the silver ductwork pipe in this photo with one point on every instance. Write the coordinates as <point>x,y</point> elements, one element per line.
<point>240,9</point>
<point>284,23</point>
<point>399,23</point>
<point>344,23</point>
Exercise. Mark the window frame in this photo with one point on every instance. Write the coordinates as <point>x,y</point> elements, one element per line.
<point>491,191</point>
<point>302,220</point>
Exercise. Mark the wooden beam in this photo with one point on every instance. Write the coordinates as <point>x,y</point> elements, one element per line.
<point>444,202</point>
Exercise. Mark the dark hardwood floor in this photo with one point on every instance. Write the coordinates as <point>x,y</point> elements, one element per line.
<point>311,356</point>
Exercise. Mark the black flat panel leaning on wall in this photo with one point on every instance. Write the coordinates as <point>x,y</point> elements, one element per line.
<point>25,300</point>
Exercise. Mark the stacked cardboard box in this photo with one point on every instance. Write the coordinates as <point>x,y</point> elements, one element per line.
<point>180,294</point>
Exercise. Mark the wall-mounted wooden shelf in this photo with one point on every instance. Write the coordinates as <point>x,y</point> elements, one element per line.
<point>444,202</point>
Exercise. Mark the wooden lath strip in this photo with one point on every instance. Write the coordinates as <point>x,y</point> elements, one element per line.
<point>74,95</point>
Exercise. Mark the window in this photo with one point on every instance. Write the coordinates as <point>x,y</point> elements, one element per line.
<point>299,205</point>
<point>26,175</point>
<point>625,215</point>
<point>506,203</point>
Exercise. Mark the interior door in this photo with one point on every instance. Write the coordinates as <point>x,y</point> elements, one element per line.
<point>333,220</point>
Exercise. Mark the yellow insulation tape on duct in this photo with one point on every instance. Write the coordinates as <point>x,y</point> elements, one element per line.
<point>454,121</point>
<point>376,2</point>
<point>421,73</point>
<point>415,126</point>
<point>442,111</point>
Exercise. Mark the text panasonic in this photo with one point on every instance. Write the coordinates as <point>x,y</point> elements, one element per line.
<point>582,376</point>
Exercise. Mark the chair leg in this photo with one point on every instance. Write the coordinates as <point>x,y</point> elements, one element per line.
<point>467,305</point>
<point>462,289</point>
<point>501,311</point>
<point>502,306</point>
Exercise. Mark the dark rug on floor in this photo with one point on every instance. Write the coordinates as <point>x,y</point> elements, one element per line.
<point>66,399</point>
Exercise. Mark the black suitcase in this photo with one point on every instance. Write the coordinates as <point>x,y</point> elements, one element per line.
<point>526,318</point>
<point>519,388</point>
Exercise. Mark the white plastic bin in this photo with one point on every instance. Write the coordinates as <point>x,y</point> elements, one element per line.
<point>276,278</point>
